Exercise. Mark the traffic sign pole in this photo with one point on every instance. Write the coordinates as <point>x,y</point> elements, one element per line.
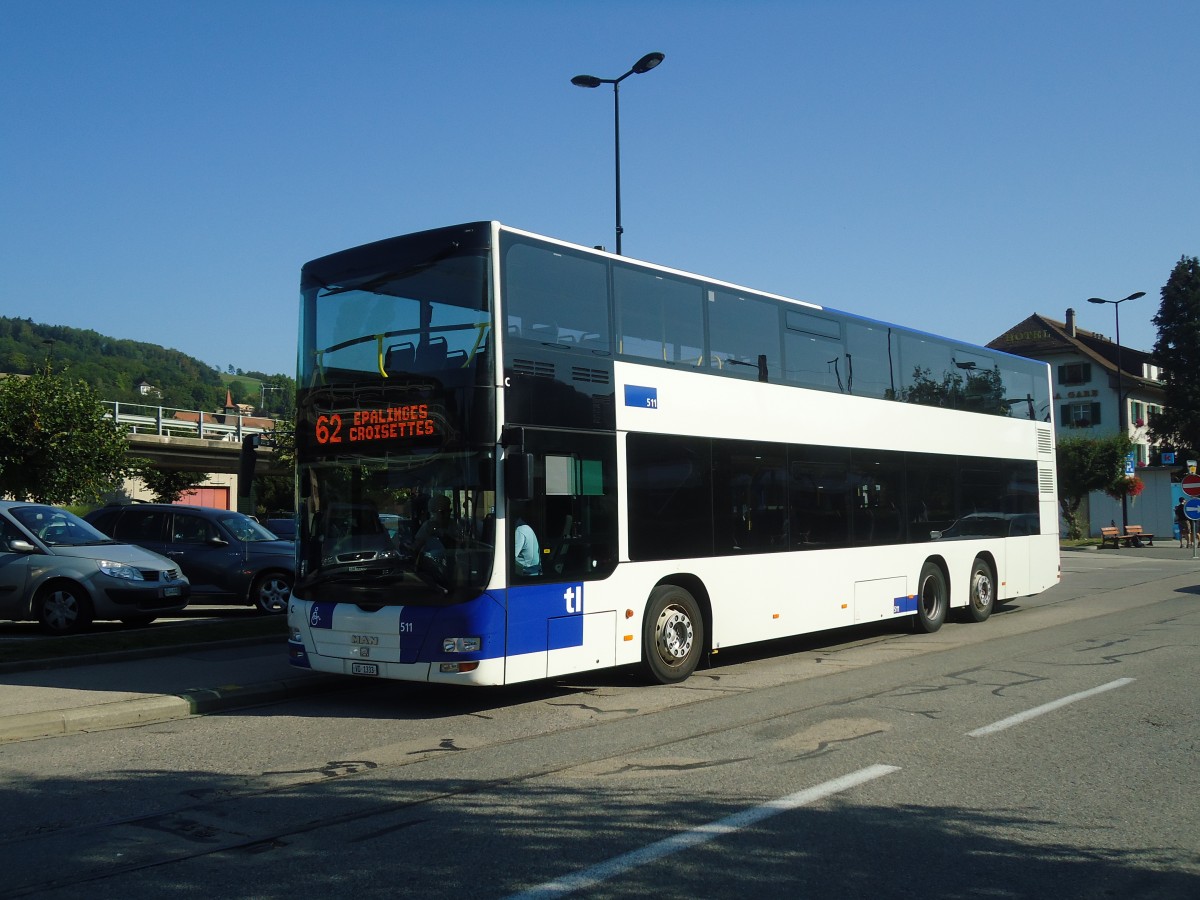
<point>1191,509</point>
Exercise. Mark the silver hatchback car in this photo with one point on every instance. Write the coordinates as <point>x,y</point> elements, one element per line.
<point>57,569</point>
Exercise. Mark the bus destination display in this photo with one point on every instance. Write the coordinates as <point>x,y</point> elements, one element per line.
<point>363,425</point>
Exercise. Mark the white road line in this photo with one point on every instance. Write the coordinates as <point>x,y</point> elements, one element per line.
<point>700,835</point>
<point>1045,708</point>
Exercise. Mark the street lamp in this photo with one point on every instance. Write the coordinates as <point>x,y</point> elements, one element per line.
<point>1116,305</point>
<point>642,66</point>
<point>263,403</point>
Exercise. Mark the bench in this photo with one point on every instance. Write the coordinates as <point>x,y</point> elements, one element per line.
<point>1134,536</point>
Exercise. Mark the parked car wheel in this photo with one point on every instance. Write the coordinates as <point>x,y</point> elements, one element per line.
<point>271,592</point>
<point>63,608</point>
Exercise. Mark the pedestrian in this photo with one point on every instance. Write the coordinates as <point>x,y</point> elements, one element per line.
<point>1187,529</point>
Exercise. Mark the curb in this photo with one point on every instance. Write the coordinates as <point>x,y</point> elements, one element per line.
<point>41,664</point>
<point>163,708</point>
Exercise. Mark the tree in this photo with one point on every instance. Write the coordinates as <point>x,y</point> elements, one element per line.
<point>56,444</point>
<point>1177,350</point>
<point>166,485</point>
<point>277,493</point>
<point>1086,465</point>
<point>981,390</point>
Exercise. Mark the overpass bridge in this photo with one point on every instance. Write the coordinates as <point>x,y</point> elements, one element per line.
<point>189,440</point>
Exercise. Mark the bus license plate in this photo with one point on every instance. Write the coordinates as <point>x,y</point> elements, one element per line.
<point>364,669</point>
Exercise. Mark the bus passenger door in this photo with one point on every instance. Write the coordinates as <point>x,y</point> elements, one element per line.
<point>571,509</point>
<point>570,516</point>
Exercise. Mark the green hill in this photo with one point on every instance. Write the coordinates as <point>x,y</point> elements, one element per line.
<point>114,367</point>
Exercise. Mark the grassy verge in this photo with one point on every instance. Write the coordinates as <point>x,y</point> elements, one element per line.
<point>164,637</point>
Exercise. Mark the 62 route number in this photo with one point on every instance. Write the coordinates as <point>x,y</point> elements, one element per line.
<point>329,429</point>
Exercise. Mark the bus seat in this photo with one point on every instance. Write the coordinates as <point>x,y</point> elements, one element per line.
<point>400,357</point>
<point>431,354</point>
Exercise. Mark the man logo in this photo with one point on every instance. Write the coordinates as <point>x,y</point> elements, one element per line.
<point>574,597</point>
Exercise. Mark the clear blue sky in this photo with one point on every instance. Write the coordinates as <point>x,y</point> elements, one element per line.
<point>952,165</point>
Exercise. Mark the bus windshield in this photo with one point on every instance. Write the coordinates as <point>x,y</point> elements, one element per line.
<point>395,428</point>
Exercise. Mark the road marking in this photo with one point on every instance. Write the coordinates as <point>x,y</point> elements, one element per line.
<point>702,834</point>
<point>1045,708</point>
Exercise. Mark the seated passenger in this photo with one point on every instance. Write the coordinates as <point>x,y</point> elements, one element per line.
<point>526,550</point>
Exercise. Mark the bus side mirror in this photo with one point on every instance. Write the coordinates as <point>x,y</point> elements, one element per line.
<point>518,475</point>
<point>247,463</point>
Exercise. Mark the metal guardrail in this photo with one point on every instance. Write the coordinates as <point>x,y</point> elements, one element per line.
<point>171,422</point>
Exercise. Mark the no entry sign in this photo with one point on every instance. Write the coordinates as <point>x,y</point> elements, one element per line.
<point>1191,485</point>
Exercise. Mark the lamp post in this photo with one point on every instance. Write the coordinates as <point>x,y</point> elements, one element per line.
<point>642,66</point>
<point>1121,429</point>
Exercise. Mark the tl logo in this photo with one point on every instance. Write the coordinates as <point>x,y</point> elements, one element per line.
<point>574,597</point>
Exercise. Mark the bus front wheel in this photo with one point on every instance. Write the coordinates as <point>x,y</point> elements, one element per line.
<point>672,634</point>
<point>933,598</point>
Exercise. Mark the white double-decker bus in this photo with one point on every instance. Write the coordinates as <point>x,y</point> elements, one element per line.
<point>519,458</point>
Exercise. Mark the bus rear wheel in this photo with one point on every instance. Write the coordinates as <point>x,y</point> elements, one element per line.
<point>933,598</point>
<point>672,634</point>
<point>983,591</point>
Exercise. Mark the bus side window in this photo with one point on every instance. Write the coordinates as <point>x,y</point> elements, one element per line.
<point>659,318</point>
<point>555,296</point>
<point>740,330</point>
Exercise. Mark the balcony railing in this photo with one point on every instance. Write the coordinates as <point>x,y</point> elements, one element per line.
<point>167,421</point>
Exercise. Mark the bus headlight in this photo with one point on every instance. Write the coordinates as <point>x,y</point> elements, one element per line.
<point>461,645</point>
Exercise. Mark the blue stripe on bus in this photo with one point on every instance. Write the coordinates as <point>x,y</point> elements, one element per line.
<point>423,628</point>
<point>545,617</point>
<point>904,605</point>
<point>541,617</point>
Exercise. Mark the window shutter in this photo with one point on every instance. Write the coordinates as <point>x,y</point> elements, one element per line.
<point>1066,419</point>
<point>1095,413</point>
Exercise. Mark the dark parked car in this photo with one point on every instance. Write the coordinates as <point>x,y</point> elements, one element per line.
<point>227,556</point>
<point>59,570</point>
<point>991,525</point>
<point>282,528</point>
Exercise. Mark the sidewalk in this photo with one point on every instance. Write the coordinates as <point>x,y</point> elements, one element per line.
<point>123,691</point>
<point>1162,549</point>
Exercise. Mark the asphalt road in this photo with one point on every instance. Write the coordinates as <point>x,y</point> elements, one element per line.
<point>1048,752</point>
